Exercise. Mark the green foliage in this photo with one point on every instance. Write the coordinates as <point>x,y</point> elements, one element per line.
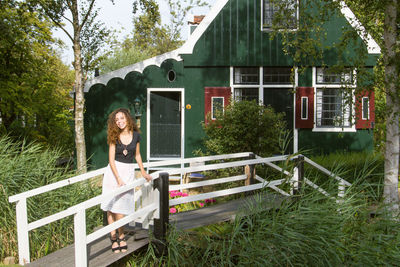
<point>122,57</point>
<point>150,37</point>
<point>26,166</point>
<point>311,231</point>
<point>34,84</point>
<point>245,126</point>
<point>353,166</point>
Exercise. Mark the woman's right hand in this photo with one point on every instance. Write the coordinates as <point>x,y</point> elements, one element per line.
<point>120,182</point>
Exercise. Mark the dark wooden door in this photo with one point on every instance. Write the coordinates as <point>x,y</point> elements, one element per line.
<point>165,124</point>
<point>281,100</point>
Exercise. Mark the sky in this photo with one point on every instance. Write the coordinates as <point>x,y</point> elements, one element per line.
<point>119,17</point>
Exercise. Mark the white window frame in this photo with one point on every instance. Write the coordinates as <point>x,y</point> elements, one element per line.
<point>269,28</point>
<point>212,105</point>
<point>362,108</point>
<point>260,86</point>
<point>304,107</point>
<point>333,86</point>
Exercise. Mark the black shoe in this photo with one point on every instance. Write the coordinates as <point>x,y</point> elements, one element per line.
<point>115,249</point>
<point>122,248</point>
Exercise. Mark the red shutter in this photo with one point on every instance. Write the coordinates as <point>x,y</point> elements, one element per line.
<point>210,92</point>
<point>308,93</point>
<point>360,122</point>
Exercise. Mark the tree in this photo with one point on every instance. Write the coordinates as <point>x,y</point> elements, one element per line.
<point>34,83</point>
<point>87,37</point>
<point>381,19</point>
<point>150,37</point>
<point>392,66</point>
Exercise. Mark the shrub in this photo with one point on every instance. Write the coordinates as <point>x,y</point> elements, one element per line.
<point>245,126</point>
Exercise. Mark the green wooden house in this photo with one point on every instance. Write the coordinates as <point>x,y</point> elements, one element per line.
<point>231,54</point>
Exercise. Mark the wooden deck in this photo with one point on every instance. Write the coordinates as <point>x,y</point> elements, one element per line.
<point>100,254</point>
<point>222,212</point>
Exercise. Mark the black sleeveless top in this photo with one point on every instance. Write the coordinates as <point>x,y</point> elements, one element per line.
<point>131,148</point>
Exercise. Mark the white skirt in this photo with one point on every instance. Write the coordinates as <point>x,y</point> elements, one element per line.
<point>123,203</point>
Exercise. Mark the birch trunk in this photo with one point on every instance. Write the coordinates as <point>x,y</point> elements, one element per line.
<point>390,192</point>
<point>79,95</point>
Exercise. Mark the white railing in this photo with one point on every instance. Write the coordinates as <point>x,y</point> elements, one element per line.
<point>147,199</point>
<point>293,178</point>
<point>148,206</point>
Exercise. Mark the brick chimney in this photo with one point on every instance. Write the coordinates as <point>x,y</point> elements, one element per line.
<point>194,22</point>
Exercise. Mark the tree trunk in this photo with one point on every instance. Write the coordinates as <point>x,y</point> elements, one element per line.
<point>79,95</point>
<point>390,192</point>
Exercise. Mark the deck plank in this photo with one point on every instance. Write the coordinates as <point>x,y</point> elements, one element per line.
<point>223,212</point>
<point>100,254</point>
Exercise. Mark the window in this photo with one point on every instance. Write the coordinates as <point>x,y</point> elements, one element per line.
<point>246,94</point>
<point>280,13</point>
<point>217,106</point>
<point>246,76</point>
<point>365,108</point>
<point>304,108</point>
<point>171,76</point>
<point>332,108</point>
<point>325,76</point>
<point>277,75</point>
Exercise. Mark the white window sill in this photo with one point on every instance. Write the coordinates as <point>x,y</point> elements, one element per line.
<point>269,29</point>
<point>335,130</point>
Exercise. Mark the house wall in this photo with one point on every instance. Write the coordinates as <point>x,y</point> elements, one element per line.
<point>101,100</point>
<point>234,38</point>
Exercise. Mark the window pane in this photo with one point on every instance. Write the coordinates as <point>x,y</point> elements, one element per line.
<point>304,108</point>
<point>326,76</point>
<point>282,12</point>
<point>246,94</point>
<point>246,76</point>
<point>277,75</point>
<point>332,109</point>
<point>365,108</point>
<point>217,107</point>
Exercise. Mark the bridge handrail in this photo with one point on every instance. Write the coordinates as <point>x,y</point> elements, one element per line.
<point>264,183</point>
<point>56,185</point>
<point>78,210</point>
<point>84,205</point>
<point>224,165</point>
<point>331,174</point>
<point>91,174</point>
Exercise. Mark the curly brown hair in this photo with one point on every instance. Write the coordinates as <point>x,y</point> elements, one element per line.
<point>113,131</point>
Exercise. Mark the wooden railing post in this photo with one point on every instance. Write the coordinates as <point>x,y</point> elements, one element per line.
<point>161,224</point>
<point>22,231</point>
<point>298,176</point>
<point>250,171</point>
<point>80,238</point>
<point>341,192</point>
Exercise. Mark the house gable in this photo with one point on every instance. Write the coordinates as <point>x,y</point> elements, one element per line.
<point>231,35</point>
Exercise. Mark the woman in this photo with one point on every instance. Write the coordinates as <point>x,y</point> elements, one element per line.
<point>123,139</point>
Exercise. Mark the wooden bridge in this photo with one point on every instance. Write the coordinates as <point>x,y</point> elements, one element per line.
<point>152,204</point>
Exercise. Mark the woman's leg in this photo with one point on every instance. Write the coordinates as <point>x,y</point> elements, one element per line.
<point>111,217</point>
<point>121,233</point>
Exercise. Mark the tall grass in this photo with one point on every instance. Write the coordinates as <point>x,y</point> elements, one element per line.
<point>24,167</point>
<point>312,230</point>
